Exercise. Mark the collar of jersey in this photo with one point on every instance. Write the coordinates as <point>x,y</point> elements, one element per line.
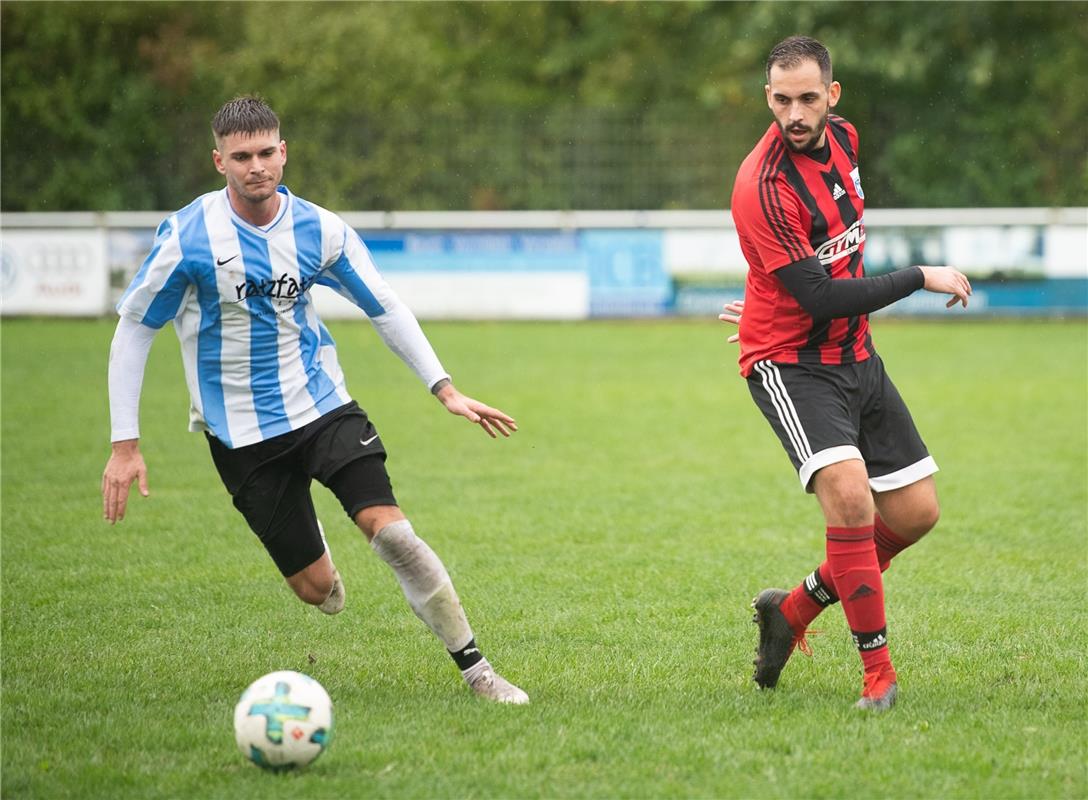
<point>285,203</point>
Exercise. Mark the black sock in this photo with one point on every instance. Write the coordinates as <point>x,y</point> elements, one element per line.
<point>467,656</point>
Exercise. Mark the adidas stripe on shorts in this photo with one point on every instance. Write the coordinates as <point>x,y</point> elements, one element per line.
<point>824,414</point>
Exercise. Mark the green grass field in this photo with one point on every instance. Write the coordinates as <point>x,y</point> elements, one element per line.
<point>606,556</point>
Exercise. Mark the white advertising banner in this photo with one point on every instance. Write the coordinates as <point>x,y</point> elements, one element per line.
<point>476,295</point>
<point>54,272</point>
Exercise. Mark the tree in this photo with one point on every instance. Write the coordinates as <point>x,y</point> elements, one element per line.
<point>533,105</point>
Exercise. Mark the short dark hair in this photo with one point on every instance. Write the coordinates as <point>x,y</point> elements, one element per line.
<point>789,53</point>
<point>247,114</point>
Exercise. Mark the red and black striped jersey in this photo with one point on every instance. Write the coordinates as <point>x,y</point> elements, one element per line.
<point>787,207</point>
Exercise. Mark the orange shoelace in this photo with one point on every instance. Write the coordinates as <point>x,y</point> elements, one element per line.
<point>801,642</point>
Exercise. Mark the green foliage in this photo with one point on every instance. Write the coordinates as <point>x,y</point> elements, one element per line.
<point>606,554</point>
<point>534,105</point>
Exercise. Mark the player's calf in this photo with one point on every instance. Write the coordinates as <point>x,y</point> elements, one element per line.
<point>430,593</point>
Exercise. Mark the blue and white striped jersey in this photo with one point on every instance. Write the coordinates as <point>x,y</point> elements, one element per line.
<point>258,361</point>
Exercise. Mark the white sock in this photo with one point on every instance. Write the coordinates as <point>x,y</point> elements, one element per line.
<point>425,582</point>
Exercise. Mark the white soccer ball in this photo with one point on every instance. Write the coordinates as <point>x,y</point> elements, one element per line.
<point>283,721</point>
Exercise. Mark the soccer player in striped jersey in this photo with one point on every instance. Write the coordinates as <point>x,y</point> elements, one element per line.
<point>233,271</point>
<point>811,367</point>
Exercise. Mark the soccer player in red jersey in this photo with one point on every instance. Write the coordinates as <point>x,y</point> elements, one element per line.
<point>811,367</point>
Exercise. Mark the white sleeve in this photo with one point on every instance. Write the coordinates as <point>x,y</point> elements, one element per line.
<point>354,275</point>
<point>128,358</point>
<point>401,333</point>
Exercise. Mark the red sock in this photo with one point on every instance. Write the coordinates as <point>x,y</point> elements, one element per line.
<point>888,543</point>
<point>816,592</point>
<point>851,553</point>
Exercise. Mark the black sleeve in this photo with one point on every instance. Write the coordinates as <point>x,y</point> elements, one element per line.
<point>825,298</point>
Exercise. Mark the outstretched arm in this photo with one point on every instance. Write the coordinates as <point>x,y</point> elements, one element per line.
<point>355,276</point>
<point>492,420</point>
<point>940,280</point>
<point>128,358</point>
<point>823,297</point>
<point>401,333</point>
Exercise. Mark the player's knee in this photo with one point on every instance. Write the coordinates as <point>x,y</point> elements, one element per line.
<point>372,519</point>
<point>851,505</point>
<point>924,521</point>
<point>313,593</point>
<point>312,586</point>
<point>915,523</point>
<point>844,494</point>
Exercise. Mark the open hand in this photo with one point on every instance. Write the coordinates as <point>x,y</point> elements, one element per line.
<point>125,465</point>
<point>492,420</point>
<point>947,280</point>
<point>733,311</point>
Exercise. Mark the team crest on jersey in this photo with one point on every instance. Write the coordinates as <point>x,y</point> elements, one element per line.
<point>855,174</point>
<point>844,244</point>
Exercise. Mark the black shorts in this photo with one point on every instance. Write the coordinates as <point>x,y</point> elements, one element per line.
<point>270,481</point>
<point>824,414</point>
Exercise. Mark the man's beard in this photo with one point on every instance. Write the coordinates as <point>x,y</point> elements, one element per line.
<point>809,145</point>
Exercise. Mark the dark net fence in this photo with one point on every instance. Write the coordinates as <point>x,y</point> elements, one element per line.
<point>578,159</point>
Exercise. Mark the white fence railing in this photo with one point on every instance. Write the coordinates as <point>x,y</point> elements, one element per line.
<point>566,264</point>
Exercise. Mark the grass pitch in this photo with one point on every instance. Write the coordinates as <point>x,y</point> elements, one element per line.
<point>606,556</point>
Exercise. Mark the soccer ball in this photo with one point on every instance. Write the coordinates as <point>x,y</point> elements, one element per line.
<point>283,721</point>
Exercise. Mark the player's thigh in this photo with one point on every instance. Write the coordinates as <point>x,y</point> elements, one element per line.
<point>894,452</point>
<point>811,409</point>
<point>274,498</point>
<point>347,438</point>
<point>365,493</point>
<point>348,457</point>
<point>278,507</point>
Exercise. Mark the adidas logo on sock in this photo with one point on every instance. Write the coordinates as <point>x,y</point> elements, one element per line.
<point>870,641</point>
<point>839,192</point>
<point>860,592</point>
<point>871,644</point>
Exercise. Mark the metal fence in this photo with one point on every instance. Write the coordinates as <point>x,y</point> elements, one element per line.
<point>522,160</point>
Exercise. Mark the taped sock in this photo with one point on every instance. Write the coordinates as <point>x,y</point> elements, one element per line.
<point>425,583</point>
